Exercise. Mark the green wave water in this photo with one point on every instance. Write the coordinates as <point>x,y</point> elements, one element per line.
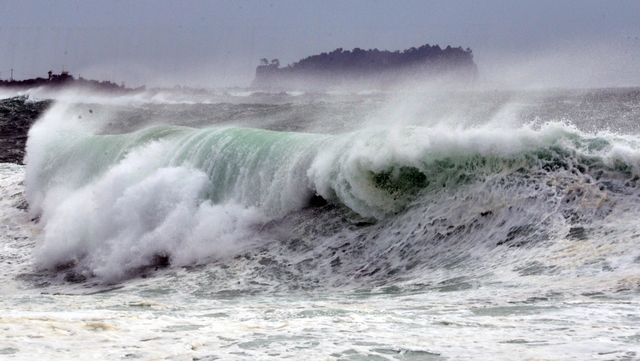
<point>122,191</point>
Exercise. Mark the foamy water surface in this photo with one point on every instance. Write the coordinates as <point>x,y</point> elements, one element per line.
<point>361,227</point>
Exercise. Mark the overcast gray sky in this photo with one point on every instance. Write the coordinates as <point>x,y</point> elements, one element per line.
<point>219,43</point>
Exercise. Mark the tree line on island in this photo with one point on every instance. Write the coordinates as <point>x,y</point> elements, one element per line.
<point>65,79</point>
<point>370,67</point>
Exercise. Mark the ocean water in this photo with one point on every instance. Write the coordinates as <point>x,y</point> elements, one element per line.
<point>406,225</point>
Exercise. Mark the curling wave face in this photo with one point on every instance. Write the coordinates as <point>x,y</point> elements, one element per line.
<point>401,200</point>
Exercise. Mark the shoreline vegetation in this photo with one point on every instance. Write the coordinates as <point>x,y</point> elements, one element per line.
<point>369,68</point>
<point>63,80</point>
<point>339,68</point>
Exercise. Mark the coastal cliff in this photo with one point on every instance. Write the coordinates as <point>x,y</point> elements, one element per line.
<point>377,68</point>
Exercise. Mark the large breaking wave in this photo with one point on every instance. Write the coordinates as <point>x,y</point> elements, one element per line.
<point>400,199</point>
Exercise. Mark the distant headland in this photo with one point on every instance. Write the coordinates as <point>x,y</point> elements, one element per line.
<point>378,68</point>
<point>63,80</point>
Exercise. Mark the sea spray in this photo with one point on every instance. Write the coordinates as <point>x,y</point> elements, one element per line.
<point>483,229</point>
<point>113,204</point>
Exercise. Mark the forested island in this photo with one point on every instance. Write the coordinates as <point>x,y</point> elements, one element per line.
<point>64,79</point>
<point>376,68</point>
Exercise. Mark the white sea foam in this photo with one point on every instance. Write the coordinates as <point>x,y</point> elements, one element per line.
<point>111,204</point>
<point>522,244</point>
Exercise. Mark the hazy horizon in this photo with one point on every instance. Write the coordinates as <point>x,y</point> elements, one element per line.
<point>219,43</point>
